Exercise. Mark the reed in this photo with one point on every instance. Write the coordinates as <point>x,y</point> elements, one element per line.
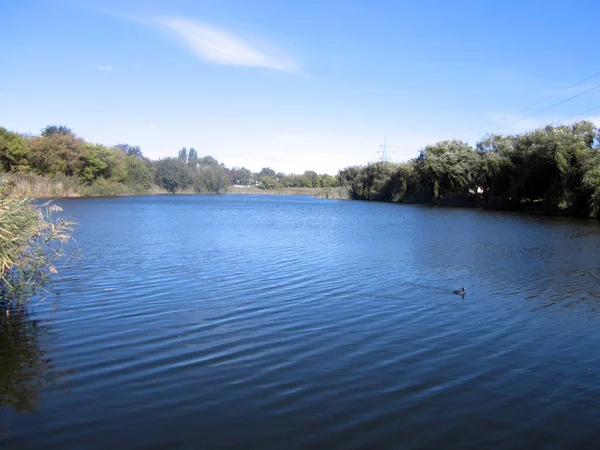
<point>31,239</point>
<point>338,193</point>
<point>31,185</point>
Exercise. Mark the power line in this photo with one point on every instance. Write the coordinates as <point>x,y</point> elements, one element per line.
<point>554,105</point>
<point>592,110</point>
<point>589,115</point>
<point>541,101</point>
<point>551,95</point>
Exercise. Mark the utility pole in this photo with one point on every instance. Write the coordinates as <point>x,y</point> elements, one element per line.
<point>384,150</point>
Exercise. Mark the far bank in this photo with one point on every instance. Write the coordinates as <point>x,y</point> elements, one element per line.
<point>30,185</point>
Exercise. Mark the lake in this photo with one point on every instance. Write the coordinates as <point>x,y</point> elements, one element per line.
<point>188,322</point>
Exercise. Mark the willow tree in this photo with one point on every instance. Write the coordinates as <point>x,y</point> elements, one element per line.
<point>447,168</point>
<point>591,182</point>
<point>547,163</point>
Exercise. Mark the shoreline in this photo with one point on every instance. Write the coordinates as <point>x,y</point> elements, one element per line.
<point>28,185</point>
<point>19,187</point>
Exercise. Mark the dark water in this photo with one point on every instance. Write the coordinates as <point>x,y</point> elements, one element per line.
<point>201,322</point>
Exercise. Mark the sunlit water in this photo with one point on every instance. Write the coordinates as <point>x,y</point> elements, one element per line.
<point>200,322</point>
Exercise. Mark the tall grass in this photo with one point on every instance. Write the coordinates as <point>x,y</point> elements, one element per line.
<point>30,242</point>
<point>31,185</point>
<point>340,193</point>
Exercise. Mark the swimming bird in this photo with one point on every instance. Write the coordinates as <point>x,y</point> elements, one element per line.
<point>462,291</point>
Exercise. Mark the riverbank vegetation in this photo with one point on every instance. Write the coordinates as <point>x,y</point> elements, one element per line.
<point>58,163</point>
<point>31,238</point>
<point>551,170</point>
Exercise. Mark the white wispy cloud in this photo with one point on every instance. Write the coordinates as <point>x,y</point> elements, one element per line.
<point>219,46</point>
<point>106,68</point>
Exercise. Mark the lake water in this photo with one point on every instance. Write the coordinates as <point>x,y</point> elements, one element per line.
<point>200,322</point>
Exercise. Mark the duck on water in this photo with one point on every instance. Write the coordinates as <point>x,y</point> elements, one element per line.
<point>462,292</point>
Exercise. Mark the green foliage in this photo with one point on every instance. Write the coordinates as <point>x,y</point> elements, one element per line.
<point>211,178</point>
<point>268,182</point>
<point>103,187</point>
<point>139,174</point>
<point>63,164</point>
<point>57,153</point>
<point>591,183</point>
<point>13,151</point>
<point>192,159</point>
<point>103,162</point>
<point>312,179</point>
<point>51,130</point>
<point>268,179</point>
<point>325,181</point>
<point>208,161</point>
<point>183,155</point>
<point>130,150</point>
<point>446,168</point>
<point>265,172</point>
<point>557,167</point>
<point>241,176</point>
<point>173,174</point>
<point>176,174</point>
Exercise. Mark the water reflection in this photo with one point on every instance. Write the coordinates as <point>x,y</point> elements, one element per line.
<point>25,367</point>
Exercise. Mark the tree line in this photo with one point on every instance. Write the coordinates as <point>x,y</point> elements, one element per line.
<point>554,169</point>
<point>59,152</point>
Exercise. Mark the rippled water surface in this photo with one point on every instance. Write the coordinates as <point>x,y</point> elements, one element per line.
<point>201,322</point>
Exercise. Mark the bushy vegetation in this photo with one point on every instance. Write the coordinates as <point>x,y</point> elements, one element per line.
<point>60,163</point>
<point>555,169</point>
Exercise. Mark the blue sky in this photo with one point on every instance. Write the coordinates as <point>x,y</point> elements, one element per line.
<point>294,85</point>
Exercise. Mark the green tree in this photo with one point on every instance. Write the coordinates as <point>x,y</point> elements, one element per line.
<point>446,168</point>
<point>208,161</point>
<point>495,169</point>
<point>14,151</point>
<point>325,181</point>
<point>50,130</point>
<point>312,178</point>
<point>211,178</point>
<point>193,158</point>
<point>591,183</point>
<point>103,162</point>
<point>266,172</point>
<point>57,153</point>
<point>242,176</point>
<point>183,156</point>
<point>139,174</point>
<point>267,182</point>
<point>130,150</point>
<point>173,174</point>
